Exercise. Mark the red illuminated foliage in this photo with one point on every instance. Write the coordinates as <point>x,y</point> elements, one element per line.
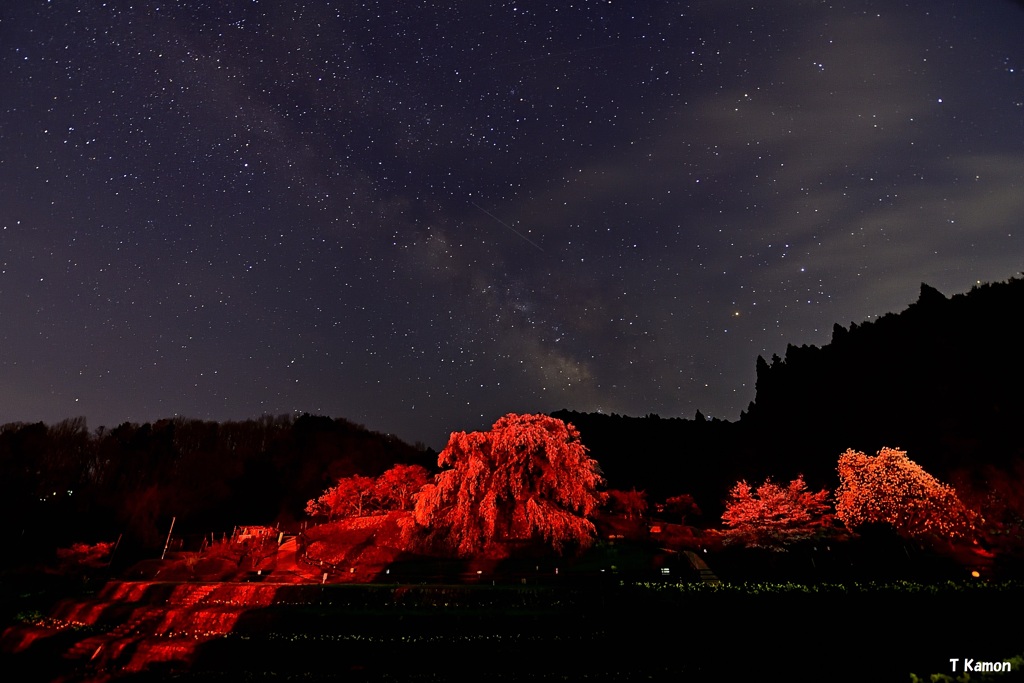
<point>773,516</point>
<point>349,498</point>
<point>893,489</point>
<point>997,493</point>
<point>357,496</point>
<point>678,508</point>
<point>629,504</point>
<point>394,490</point>
<point>83,554</point>
<point>529,479</point>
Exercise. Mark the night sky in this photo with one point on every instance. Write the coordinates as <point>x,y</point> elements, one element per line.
<point>420,216</point>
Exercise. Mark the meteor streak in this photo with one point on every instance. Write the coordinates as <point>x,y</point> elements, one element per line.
<point>506,225</point>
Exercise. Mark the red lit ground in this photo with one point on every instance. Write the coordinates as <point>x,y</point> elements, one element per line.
<point>209,617</point>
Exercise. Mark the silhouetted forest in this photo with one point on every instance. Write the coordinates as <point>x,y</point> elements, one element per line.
<point>941,380</point>
<point>63,483</point>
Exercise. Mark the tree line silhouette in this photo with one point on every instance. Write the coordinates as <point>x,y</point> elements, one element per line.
<point>941,379</point>
<point>63,483</point>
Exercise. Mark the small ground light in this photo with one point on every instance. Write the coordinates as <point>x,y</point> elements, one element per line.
<point>975,574</point>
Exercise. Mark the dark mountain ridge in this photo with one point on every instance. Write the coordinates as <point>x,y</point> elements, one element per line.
<point>942,380</point>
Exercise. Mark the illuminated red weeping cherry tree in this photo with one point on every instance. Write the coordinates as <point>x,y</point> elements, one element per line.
<point>528,480</point>
<point>893,489</point>
<point>773,516</point>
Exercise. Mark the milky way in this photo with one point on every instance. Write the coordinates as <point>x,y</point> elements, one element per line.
<point>420,216</point>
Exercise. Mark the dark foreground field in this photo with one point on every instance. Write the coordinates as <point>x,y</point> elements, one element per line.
<point>149,631</point>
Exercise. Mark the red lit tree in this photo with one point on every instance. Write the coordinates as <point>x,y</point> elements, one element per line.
<point>629,504</point>
<point>529,479</point>
<point>997,494</point>
<point>773,516</point>
<point>678,508</point>
<point>351,497</point>
<point>893,489</point>
<point>394,490</point>
<point>357,496</point>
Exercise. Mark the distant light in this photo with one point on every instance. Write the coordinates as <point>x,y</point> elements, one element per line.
<point>975,574</point>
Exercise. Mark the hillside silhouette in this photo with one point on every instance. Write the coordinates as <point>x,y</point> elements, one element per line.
<point>63,483</point>
<point>941,380</point>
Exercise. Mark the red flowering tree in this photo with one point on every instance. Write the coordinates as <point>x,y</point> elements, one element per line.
<point>529,479</point>
<point>893,489</point>
<point>394,490</point>
<point>358,496</point>
<point>351,497</point>
<point>773,516</point>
